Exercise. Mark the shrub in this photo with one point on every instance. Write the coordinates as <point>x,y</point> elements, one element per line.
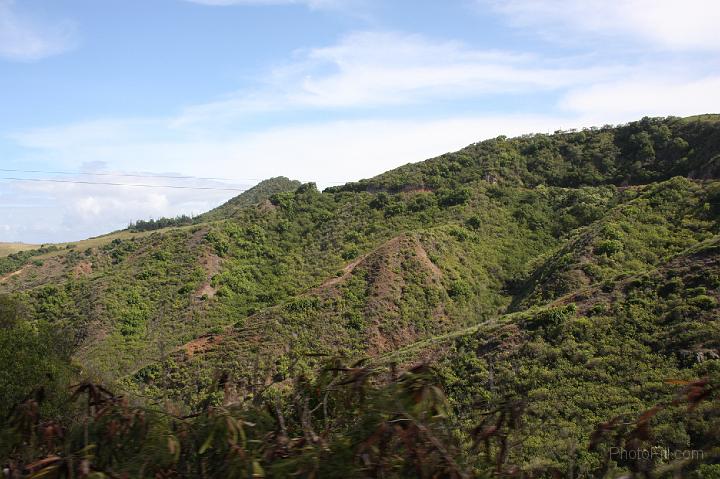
<point>350,252</point>
<point>453,197</point>
<point>608,247</point>
<point>703,301</point>
<point>459,289</point>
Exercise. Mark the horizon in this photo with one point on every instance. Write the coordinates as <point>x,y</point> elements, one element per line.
<point>328,91</point>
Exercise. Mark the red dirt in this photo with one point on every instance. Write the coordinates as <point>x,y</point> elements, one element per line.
<point>201,344</point>
<point>266,206</point>
<point>83,268</point>
<point>211,263</point>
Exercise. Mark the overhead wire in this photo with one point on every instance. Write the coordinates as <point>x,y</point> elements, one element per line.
<point>136,185</point>
<point>137,175</point>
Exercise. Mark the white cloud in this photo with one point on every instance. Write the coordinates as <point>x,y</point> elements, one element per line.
<point>25,39</point>
<point>365,74</point>
<point>666,24</point>
<point>646,95</point>
<point>328,152</point>
<point>101,132</point>
<point>373,69</point>
<point>56,212</point>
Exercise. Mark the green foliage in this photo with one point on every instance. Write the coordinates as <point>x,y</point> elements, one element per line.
<point>609,247</point>
<point>457,196</point>
<point>652,149</point>
<point>32,355</point>
<point>584,264</point>
<point>13,262</point>
<point>257,194</point>
<point>156,224</point>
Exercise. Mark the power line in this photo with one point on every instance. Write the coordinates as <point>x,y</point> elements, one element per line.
<point>136,185</point>
<point>132,175</point>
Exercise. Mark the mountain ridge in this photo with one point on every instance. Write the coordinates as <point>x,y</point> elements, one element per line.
<point>512,264</point>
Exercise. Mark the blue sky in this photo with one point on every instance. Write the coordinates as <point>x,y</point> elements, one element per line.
<point>319,90</point>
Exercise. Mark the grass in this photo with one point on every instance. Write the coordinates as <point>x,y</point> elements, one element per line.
<point>10,248</point>
<point>97,241</point>
<point>611,289</point>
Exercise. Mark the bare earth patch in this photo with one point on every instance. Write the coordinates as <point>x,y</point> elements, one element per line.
<point>10,275</point>
<point>201,344</point>
<point>83,268</point>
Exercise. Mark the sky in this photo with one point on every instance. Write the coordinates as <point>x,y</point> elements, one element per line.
<point>220,94</point>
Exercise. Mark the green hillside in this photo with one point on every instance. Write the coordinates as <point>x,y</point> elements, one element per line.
<point>513,308</point>
<point>11,248</point>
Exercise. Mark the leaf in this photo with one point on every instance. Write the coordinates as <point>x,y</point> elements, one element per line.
<point>208,442</point>
<point>257,470</point>
<point>44,471</point>
<point>173,447</point>
<point>44,462</point>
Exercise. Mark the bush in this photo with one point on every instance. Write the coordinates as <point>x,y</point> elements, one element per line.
<point>608,247</point>
<point>703,302</point>
<point>453,197</point>
<point>459,289</point>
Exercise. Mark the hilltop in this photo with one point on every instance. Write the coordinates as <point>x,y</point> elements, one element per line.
<point>10,248</point>
<point>577,271</point>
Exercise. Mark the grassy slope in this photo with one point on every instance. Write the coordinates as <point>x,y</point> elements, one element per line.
<point>571,271</point>
<point>590,356</point>
<point>10,248</point>
<point>357,271</point>
<point>434,281</point>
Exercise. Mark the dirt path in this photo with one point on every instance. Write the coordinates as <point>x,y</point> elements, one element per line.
<point>347,270</point>
<point>10,275</point>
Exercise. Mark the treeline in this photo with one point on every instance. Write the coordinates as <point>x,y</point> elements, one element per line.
<point>652,149</point>
<point>156,224</point>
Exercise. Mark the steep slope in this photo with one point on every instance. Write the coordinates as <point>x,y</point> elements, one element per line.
<point>652,223</point>
<point>566,275</point>
<point>372,298</point>
<point>607,351</point>
<point>496,243</point>
<point>652,149</point>
<point>437,280</point>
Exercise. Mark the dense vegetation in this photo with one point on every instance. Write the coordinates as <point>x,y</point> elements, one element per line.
<point>160,223</point>
<point>258,193</point>
<point>519,307</point>
<point>14,261</point>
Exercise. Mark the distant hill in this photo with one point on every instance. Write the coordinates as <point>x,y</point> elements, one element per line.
<point>572,276</point>
<point>257,194</point>
<point>10,248</point>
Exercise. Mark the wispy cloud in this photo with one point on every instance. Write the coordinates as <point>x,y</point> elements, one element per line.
<point>362,78</point>
<point>376,69</point>
<point>23,38</point>
<point>664,24</point>
<point>326,152</point>
<point>367,73</point>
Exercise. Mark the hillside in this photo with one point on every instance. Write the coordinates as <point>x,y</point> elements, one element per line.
<point>10,248</point>
<point>574,273</point>
<point>253,196</point>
